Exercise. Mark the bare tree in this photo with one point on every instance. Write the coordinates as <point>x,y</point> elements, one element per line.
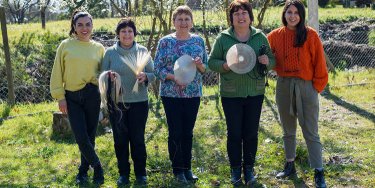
<point>136,7</point>
<point>262,11</point>
<point>205,33</point>
<point>159,13</point>
<point>118,9</point>
<point>17,9</point>
<point>123,7</point>
<point>226,5</point>
<point>43,7</point>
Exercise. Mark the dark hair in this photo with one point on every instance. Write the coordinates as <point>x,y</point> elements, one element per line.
<point>75,16</point>
<point>240,4</point>
<point>183,9</point>
<point>126,22</point>
<point>301,29</point>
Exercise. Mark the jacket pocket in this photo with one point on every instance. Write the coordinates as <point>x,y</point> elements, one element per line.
<point>228,85</point>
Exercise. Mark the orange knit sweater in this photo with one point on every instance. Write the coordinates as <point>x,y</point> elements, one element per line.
<point>306,62</point>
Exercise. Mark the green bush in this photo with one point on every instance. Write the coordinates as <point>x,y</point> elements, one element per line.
<point>323,3</point>
<point>363,3</point>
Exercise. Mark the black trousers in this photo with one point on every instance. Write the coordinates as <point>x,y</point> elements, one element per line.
<point>242,118</point>
<point>181,115</point>
<point>129,128</point>
<point>83,112</point>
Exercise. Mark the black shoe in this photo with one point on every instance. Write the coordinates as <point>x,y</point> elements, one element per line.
<point>180,177</point>
<point>319,179</point>
<point>98,175</point>
<point>123,180</point>
<point>235,176</point>
<point>249,175</point>
<point>82,178</point>
<point>141,180</point>
<point>190,176</point>
<point>289,170</point>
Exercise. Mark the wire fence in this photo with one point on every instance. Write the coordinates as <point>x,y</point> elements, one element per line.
<point>346,45</point>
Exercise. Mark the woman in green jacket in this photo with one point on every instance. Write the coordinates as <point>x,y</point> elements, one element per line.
<point>241,94</point>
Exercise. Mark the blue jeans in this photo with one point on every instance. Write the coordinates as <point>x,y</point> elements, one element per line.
<point>129,127</point>
<point>181,115</point>
<point>242,118</point>
<point>83,112</point>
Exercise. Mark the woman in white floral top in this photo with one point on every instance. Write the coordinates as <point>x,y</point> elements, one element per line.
<point>181,101</point>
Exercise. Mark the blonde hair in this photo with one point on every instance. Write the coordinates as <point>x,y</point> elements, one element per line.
<point>104,80</point>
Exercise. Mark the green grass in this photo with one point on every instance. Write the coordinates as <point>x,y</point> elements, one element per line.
<point>31,155</point>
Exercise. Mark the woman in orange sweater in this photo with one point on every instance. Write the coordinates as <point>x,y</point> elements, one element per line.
<point>302,71</point>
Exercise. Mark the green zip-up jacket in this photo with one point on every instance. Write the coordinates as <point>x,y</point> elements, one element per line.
<point>231,83</point>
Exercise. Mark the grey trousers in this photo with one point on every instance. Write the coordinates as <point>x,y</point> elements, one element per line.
<point>298,99</point>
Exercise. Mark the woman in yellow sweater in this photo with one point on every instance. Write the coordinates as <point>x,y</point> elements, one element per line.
<point>302,72</point>
<point>74,84</point>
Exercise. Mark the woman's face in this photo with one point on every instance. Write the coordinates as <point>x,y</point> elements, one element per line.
<point>183,23</point>
<point>126,36</point>
<point>241,19</point>
<point>292,17</point>
<point>83,28</point>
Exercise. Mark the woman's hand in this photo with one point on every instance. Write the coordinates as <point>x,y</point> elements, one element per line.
<point>263,59</point>
<point>63,106</point>
<point>200,66</point>
<point>226,67</point>
<point>141,77</point>
<point>173,78</point>
<point>112,75</point>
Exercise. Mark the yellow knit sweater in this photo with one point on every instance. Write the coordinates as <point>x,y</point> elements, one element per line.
<point>76,64</point>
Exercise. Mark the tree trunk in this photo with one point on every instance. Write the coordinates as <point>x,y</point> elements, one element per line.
<point>204,26</point>
<point>61,125</point>
<point>43,16</point>
<point>123,13</point>
<point>226,8</point>
<point>262,12</point>
<point>136,7</point>
<point>158,12</point>
<point>170,16</point>
<point>152,46</point>
<point>313,15</point>
<point>129,8</point>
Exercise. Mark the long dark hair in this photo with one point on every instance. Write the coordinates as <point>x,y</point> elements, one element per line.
<point>75,16</point>
<point>301,29</point>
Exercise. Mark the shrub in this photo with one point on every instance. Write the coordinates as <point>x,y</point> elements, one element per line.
<point>363,3</point>
<point>323,3</point>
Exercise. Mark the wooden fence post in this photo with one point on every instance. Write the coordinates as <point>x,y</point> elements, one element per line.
<point>11,97</point>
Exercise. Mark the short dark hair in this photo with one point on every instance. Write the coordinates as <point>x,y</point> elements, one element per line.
<point>183,9</point>
<point>126,22</point>
<point>240,4</point>
<point>75,16</point>
<point>301,27</point>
